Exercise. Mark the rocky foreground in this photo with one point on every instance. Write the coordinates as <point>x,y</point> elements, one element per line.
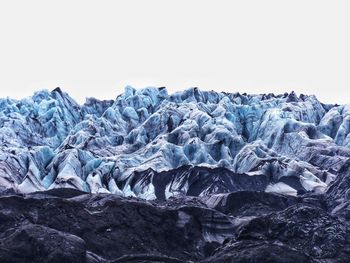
<point>67,225</point>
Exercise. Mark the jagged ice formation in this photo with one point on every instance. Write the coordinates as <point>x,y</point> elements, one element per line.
<point>151,144</point>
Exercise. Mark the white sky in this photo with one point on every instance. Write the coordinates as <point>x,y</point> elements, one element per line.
<point>96,48</point>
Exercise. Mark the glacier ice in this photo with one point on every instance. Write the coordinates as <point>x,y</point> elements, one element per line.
<point>122,146</point>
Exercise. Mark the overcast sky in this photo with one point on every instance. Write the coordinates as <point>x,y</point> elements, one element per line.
<point>96,48</point>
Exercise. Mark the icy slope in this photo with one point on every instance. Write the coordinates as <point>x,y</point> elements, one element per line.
<point>121,146</point>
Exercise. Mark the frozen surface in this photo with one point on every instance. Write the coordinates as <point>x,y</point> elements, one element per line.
<point>49,141</point>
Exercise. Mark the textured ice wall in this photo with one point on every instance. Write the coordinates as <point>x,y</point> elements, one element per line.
<point>49,141</point>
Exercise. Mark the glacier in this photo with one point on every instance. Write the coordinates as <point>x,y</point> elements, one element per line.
<point>193,176</point>
<point>150,144</point>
